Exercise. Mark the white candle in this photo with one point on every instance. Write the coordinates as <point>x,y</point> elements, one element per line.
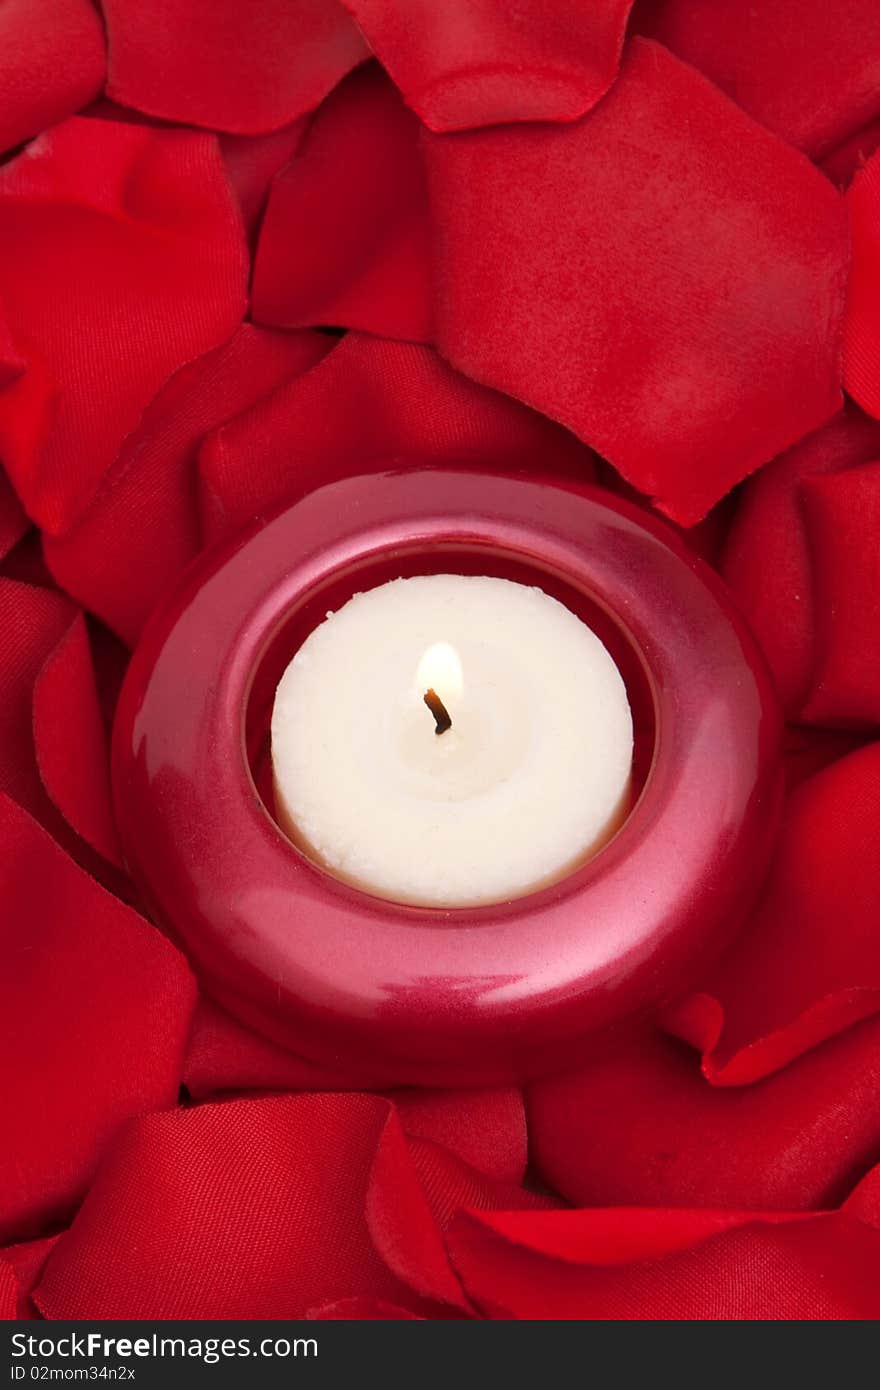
<point>530,778</point>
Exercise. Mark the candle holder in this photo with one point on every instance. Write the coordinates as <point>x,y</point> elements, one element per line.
<point>394,994</point>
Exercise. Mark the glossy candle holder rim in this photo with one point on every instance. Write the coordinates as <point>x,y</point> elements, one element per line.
<point>489,558</point>
<point>445,996</point>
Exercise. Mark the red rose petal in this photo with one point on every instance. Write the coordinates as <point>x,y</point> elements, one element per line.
<point>664,277</point>
<point>485,1128</point>
<point>51,63</point>
<point>143,527</point>
<point>808,962</point>
<point>27,1263</point>
<point>209,63</point>
<point>475,62</point>
<point>13,520</point>
<point>864,1200</point>
<point>844,162</point>
<point>843,527</point>
<point>71,741</point>
<point>362,1310</point>
<point>252,161</point>
<point>369,402</point>
<point>94,1006</point>
<point>861,357</point>
<point>767,559</point>
<point>642,1126</point>
<point>32,623</point>
<point>10,1295</point>
<point>345,237</point>
<point>415,1191</point>
<point>224,1055</point>
<point>121,257</point>
<point>252,1209</point>
<point>649,1264</point>
<point>809,72</point>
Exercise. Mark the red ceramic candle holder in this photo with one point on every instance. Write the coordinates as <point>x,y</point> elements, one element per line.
<point>414,995</point>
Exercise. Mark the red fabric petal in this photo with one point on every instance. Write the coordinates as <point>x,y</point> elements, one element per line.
<point>475,62</point>
<point>484,1128</point>
<point>94,1009</point>
<point>143,527</point>
<point>843,526</point>
<point>207,63</point>
<point>225,1055</point>
<point>369,402</point>
<point>810,72</point>
<point>51,63</point>
<point>13,520</point>
<point>121,257</point>
<point>664,277</point>
<point>861,357</point>
<point>808,963</point>
<point>27,1263</point>
<point>252,1209</point>
<point>767,559</point>
<point>10,1295</point>
<point>345,237</point>
<point>252,161</point>
<point>361,1310</point>
<point>71,741</point>
<point>864,1200</point>
<point>844,162</point>
<point>32,623</point>
<point>649,1264</point>
<point>642,1126</point>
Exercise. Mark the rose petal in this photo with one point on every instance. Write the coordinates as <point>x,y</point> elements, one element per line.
<point>70,741</point>
<point>475,62</point>
<point>641,1126</point>
<point>361,1310</point>
<point>94,1008</point>
<point>345,236</point>
<point>145,217</point>
<point>252,1208</point>
<point>13,520</point>
<point>252,161</point>
<point>767,559</point>
<point>864,1200</point>
<point>646,1263</point>
<point>809,72</point>
<point>143,527</point>
<point>861,356</point>
<point>224,1055</point>
<point>369,403</point>
<point>32,622</point>
<point>845,161</point>
<point>843,524</point>
<point>664,277</point>
<point>207,63</point>
<point>27,1263</point>
<point>51,63</point>
<point>484,1128</point>
<point>808,963</point>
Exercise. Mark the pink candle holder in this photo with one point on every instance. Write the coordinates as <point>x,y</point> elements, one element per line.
<point>423,995</point>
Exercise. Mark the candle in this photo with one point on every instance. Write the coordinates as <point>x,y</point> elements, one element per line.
<point>450,741</point>
<point>382,991</point>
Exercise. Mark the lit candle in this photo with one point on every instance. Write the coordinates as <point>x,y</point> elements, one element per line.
<point>451,741</point>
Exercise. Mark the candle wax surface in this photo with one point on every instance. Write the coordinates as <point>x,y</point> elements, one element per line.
<point>531,778</point>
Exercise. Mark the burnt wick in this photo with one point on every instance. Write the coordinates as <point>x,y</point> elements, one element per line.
<point>439,711</point>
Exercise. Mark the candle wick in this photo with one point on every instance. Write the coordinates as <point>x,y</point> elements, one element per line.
<point>439,711</point>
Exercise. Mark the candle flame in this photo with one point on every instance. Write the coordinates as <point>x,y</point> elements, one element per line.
<point>440,670</point>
